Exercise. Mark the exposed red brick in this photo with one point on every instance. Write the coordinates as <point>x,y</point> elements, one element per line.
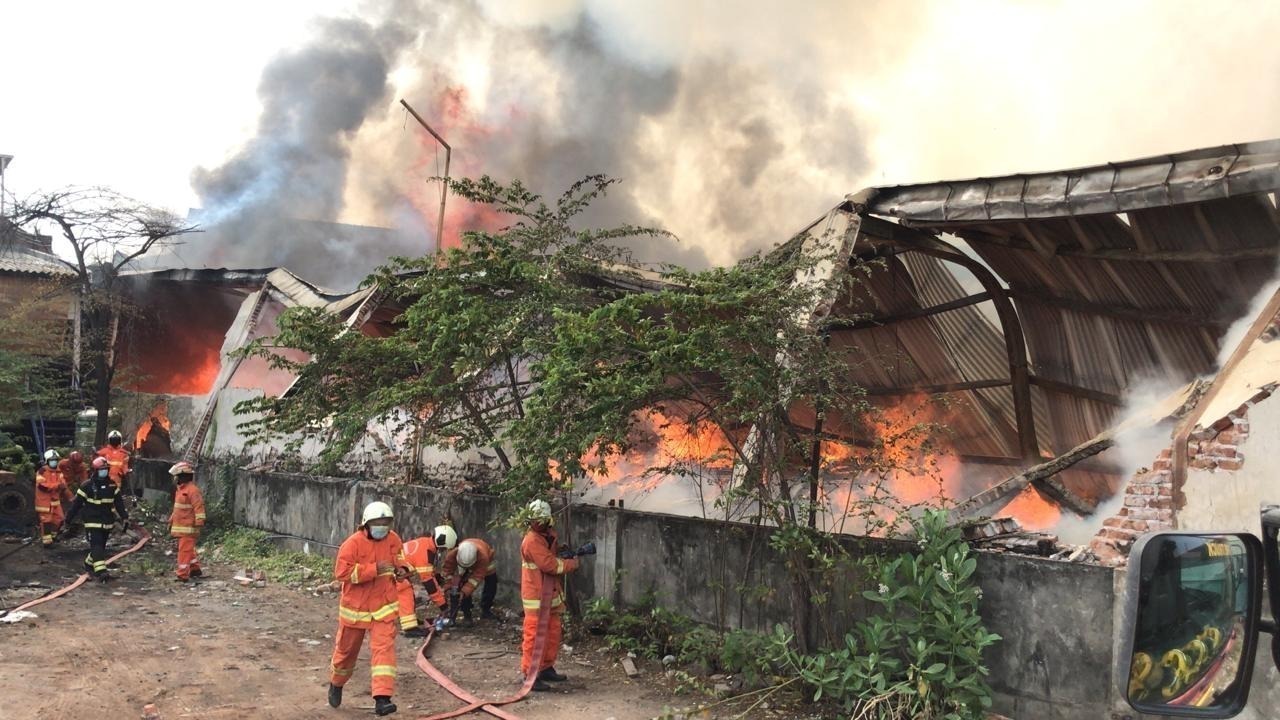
<point>1112,522</point>
<point>1118,534</point>
<point>1162,464</point>
<point>1137,525</point>
<point>1224,451</point>
<point>1164,491</point>
<point>1165,454</point>
<point>1227,436</point>
<point>1221,424</point>
<point>1230,464</point>
<point>1134,501</point>
<point>1201,462</point>
<point>1161,503</point>
<point>1142,490</point>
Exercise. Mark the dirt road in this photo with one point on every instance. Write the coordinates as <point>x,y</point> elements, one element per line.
<point>215,649</point>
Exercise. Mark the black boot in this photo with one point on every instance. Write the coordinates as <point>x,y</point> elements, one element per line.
<point>539,686</point>
<point>487,614</point>
<point>382,705</point>
<point>550,675</point>
<point>335,695</point>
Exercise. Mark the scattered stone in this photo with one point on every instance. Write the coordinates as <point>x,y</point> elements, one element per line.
<point>175,648</point>
<point>260,583</point>
<point>602,650</point>
<point>722,690</point>
<point>117,594</point>
<point>566,650</point>
<point>668,660</point>
<point>718,677</point>
<point>150,712</point>
<point>629,666</point>
<point>308,573</point>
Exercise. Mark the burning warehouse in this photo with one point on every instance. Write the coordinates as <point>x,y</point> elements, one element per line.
<point>1042,308</point>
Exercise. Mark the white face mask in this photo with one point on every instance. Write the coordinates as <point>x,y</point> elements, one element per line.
<point>377,532</point>
<point>103,473</point>
<point>53,463</point>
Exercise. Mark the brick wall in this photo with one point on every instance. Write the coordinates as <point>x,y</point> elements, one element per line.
<point>1150,499</point>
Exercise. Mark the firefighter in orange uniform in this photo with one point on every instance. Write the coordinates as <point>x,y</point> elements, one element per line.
<point>117,457</point>
<point>369,564</point>
<point>51,490</point>
<point>467,567</point>
<point>421,555</point>
<point>540,563</point>
<point>187,520</point>
<point>75,471</point>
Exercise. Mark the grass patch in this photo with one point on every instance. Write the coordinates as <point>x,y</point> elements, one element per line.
<point>247,547</point>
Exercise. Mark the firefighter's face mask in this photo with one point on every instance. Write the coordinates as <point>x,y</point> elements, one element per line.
<point>53,463</point>
<point>114,442</point>
<point>103,472</point>
<point>378,532</point>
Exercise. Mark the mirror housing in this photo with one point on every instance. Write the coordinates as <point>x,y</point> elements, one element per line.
<point>1190,625</point>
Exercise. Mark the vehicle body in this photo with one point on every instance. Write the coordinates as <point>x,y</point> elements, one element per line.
<point>1193,616</point>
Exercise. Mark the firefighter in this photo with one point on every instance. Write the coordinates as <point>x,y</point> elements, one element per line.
<point>421,555</point>
<point>539,563</point>
<point>101,502</point>
<point>187,520</point>
<point>117,457</point>
<point>74,470</point>
<point>51,490</point>
<point>466,567</point>
<point>369,564</point>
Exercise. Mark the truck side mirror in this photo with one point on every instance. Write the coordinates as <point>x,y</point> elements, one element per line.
<point>1190,624</point>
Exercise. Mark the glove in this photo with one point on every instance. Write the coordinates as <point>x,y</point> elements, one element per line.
<point>588,549</point>
<point>565,554</point>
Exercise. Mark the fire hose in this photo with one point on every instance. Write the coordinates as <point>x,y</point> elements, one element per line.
<point>492,706</point>
<point>84,577</point>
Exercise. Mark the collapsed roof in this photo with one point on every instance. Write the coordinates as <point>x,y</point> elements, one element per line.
<point>1065,290</point>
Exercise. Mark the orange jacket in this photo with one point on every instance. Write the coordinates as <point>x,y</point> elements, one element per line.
<point>470,579</point>
<point>75,473</point>
<point>117,459</point>
<point>368,597</point>
<point>188,510</point>
<point>538,556</point>
<point>420,554</point>
<point>51,490</point>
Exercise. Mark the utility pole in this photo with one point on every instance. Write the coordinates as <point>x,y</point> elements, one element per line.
<point>4,163</point>
<point>444,190</point>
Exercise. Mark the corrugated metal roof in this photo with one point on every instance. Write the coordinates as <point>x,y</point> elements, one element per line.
<point>1105,299</point>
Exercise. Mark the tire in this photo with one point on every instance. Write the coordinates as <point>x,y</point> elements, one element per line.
<point>17,504</point>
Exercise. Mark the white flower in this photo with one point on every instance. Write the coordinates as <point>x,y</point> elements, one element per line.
<point>979,591</point>
<point>884,589</point>
<point>946,576</point>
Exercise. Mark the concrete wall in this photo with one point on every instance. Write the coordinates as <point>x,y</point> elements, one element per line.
<point>1056,618</point>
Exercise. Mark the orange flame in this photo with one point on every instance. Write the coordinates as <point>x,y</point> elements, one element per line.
<point>1032,510</point>
<point>159,416</point>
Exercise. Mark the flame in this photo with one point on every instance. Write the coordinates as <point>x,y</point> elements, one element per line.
<point>662,445</point>
<point>158,417</point>
<point>1032,510</point>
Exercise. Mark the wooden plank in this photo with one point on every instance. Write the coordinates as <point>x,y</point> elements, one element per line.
<point>1044,246</point>
<point>1082,236</point>
<point>1015,484</point>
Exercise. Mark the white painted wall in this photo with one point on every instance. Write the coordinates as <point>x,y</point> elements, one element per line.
<point>1228,500</point>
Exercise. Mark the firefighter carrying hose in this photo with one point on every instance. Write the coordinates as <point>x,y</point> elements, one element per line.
<point>101,503</point>
<point>74,470</point>
<point>51,490</point>
<point>187,520</point>
<point>540,562</point>
<point>467,567</point>
<point>369,563</point>
<point>421,554</point>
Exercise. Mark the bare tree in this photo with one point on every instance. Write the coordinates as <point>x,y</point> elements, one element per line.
<point>105,231</point>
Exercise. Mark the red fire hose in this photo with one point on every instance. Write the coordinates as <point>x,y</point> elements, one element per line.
<point>491,706</point>
<point>84,577</point>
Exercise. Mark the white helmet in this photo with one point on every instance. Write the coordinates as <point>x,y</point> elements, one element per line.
<point>540,510</point>
<point>115,435</point>
<point>467,554</point>
<point>50,454</point>
<point>446,537</point>
<point>375,511</point>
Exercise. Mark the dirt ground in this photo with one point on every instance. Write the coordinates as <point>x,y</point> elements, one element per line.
<point>215,649</point>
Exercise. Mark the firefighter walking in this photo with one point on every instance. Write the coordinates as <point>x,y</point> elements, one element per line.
<point>116,456</point>
<point>51,490</point>
<point>74,470</point>
<point>187,520</point>
<point>421,555</point>
<point>369,564</point>
<point>539,564</point>
<point>101,504</point>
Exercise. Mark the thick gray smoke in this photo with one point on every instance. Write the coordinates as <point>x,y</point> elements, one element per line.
<point>708,148</point>
<point>261,206</point>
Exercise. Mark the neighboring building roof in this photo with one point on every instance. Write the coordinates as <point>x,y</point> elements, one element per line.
<point>23,252</point>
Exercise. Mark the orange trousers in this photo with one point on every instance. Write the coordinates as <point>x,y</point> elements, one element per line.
<point>382,646</point>
<point>404,598</point>
<point>187,558</point>
<point>552,649</point>
<point>50,522</point>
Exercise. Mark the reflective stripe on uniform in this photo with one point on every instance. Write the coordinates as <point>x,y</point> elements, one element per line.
<point>183,506</point>
<point>98,526</point>
<point>536,604</point>
<point>182,529</point>
<point>381,613</point>
<point>355,573</point>
<point>529,565</point>
<point>559,566</point>
<point>408,622</point>
<point>382,671</point>
<point>473,583</point>
<point>42,509</point>
<point>344,672</point>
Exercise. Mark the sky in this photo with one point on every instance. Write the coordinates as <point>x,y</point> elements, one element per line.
<point>731,129</point>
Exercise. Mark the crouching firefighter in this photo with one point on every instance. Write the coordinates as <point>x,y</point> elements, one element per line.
<point>421,555</point>
<point>540,564</point>
<point>468,567</point>
<point>51,491</point>
<point>187,520</point>
<point>369,564</point>
<point>100,502</point>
